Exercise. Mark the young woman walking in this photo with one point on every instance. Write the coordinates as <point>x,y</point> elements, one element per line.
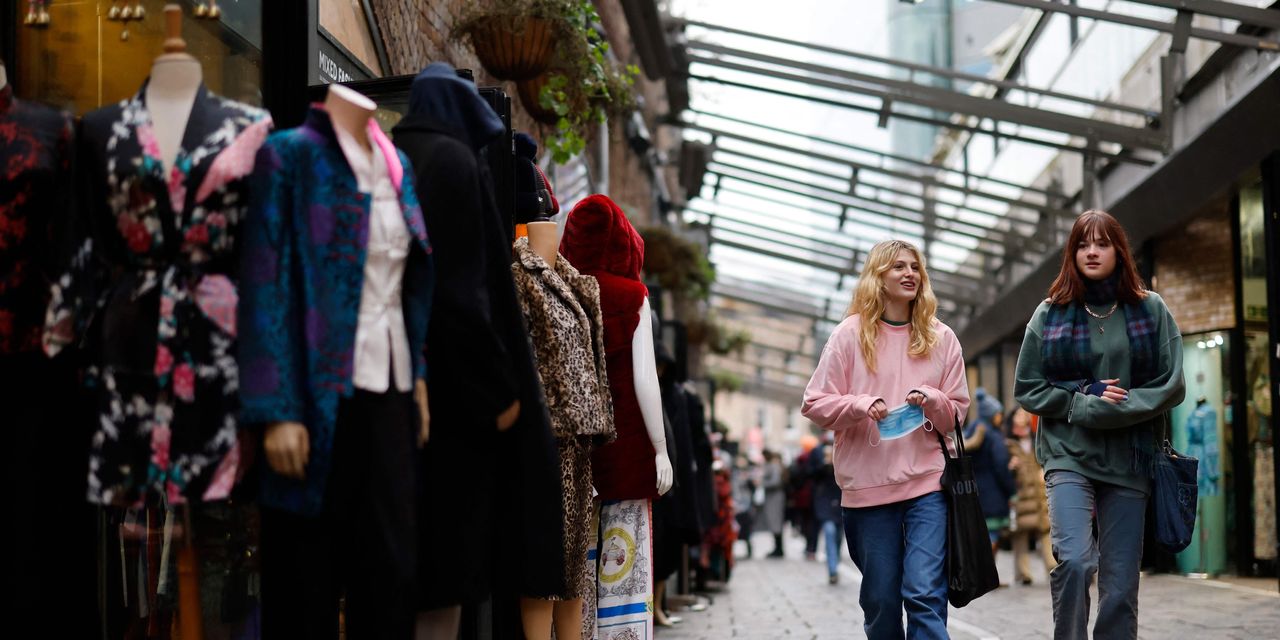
<point>1100,363</point>
<point>890,375</point>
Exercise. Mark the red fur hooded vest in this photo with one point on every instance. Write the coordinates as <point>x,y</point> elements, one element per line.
<point>599,241</point>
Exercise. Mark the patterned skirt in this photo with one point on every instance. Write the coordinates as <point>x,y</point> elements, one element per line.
<point>575,480</point>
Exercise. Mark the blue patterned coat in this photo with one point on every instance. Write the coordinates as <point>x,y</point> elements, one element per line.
<point>302,269</point>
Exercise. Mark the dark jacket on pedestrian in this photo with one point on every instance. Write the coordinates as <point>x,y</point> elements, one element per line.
<point>480,359</point>
<point>986,445</point>
<point>826,493</point>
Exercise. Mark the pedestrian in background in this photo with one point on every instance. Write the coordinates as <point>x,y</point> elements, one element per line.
<point>826,508</point>
<point>1101,362</point>
<point>890,375</point>
<point>984,442</point>
<point>744,507</point>
<point>773,513</point>
<point>1031,508</point>
<point>800,476</point>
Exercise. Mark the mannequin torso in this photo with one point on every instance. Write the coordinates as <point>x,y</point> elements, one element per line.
<point>171,92</point>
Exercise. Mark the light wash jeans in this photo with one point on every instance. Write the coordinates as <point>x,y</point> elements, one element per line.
<point>1115,555</point>
<point>901,550</point>
<point>831,535</point>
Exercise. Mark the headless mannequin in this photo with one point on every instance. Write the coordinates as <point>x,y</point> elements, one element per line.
<point>176,77</point>
<point>538,615</point>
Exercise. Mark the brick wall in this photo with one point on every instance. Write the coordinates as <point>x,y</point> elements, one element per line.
<point>1194,271</point>
<point>416,33</point>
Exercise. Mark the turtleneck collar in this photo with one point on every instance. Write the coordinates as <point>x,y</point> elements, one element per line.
<point>1101,291</point>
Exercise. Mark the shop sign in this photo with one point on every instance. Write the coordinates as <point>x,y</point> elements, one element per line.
<point>335,65</point>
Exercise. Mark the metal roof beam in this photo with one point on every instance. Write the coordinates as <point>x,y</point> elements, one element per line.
<point>977,276</point>
<point>812,315</point>
<point>1207,8</point>
<point>932,97</point>
<point>826,245</point>
<point>1124,155</point>
<point>1002,233</point>
<point>966,176</point>
<point>946,292</point>
<point>719,169</point>
<point>816,252</point>
<point>915,67</point>
<point>848,271</point>
<point>902,175</point>
<point>1257,17</point>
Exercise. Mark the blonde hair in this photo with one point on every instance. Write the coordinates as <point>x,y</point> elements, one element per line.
<point>869,302</point>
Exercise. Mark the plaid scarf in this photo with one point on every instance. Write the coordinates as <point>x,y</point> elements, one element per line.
<point>1069,362</point>
<point>1066,350</point>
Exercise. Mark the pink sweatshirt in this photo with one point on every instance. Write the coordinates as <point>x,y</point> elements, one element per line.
<point>842,390</point>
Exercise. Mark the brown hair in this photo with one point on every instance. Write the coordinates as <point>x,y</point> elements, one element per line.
<point>1068,287</point>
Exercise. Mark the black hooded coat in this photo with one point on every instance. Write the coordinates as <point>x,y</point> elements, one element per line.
<point>489,502</point>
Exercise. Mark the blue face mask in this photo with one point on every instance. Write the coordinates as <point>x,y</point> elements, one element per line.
<point>900,422</point>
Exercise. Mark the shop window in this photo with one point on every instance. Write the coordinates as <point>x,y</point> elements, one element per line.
<point>1257,383</point>
<point>1202,429</point>
<point>80,62</point>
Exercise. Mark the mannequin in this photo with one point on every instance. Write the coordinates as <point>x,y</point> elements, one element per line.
<point>175,80</point>
<point>338,508</point>
<point>550,330</point>
<point>634,469</point>
<point>483,376</point>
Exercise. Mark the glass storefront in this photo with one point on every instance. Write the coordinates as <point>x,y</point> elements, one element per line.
<point>82,60</point>
<point>1202,429</point>
<point>1259,513</point>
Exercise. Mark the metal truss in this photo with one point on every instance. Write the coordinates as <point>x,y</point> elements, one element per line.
<point>890,91</point>
<point>857,209</point>
<point>1181,28</point>
<point>928,179</point>
<point>973,279</point>
<point>960,283</point>
<point>973,229</point>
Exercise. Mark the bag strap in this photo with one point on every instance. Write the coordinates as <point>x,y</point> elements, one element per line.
<point>958,436</point>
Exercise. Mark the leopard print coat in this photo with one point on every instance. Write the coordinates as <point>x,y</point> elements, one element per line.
<point>562,309</point>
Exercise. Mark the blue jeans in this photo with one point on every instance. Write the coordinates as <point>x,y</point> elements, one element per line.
<point>901,550</point>
<point>831,534</point>
<point>1115,555</point>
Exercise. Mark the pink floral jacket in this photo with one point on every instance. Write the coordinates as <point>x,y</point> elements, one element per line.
<point>150,296</point>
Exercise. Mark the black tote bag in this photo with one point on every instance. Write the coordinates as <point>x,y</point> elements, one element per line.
<point>971,567</point>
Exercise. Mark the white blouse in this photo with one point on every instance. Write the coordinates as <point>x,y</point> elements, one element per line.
<point>381,347</point>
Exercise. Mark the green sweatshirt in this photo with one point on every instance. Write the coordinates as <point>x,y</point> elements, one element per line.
<point>1084,433</point>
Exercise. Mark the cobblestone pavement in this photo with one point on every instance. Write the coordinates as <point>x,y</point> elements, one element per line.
<point>790,598</point>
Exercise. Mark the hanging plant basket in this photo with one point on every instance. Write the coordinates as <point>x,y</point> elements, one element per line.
<point>530,92</point>
<point>513,47</point>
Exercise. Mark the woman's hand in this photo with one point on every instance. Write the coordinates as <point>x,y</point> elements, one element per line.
<point>878,410</point>
<point>916,398</point>
<point>1114,394</point>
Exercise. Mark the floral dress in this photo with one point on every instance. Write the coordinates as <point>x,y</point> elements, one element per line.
<point>150,297</point>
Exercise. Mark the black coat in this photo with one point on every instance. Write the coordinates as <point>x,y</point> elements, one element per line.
<point>488,502</point>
